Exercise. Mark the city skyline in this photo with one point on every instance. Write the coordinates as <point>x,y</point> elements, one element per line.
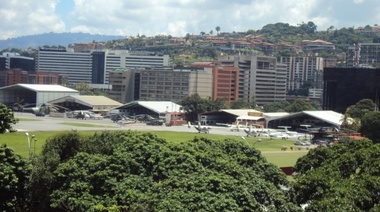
<point>177,18</point>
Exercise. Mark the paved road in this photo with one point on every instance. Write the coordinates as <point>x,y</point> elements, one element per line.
<point>30,122</point>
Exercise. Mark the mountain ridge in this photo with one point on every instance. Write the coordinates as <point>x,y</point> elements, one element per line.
<point>52,38</point>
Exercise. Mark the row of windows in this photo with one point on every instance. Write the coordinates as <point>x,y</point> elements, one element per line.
<point>166,97</point>
<point>164,92</point>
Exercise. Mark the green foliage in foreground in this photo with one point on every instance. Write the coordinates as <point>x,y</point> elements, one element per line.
<point>371,126</point>
<point>269,147</point>
<point>7,119</point>
<point>14,174</point>
<point>131,171</point>
<point>344,177</point>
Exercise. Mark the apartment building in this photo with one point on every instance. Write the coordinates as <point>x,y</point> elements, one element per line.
<point>303,69</point>
<point>165,84</point>
<point>261,78</point>
<point>76,66</point>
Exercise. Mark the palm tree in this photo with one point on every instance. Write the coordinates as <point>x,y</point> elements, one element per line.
<point>217,30</point>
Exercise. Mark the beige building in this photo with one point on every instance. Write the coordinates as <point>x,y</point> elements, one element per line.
<point>260,77</point>
<point>160,84</point>
<point>201,81</point>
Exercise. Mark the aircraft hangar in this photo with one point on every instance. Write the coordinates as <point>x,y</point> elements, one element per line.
<point>33,94</point>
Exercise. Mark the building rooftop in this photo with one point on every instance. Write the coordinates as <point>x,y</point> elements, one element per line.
<point>156,106</point>
<point>44,87</point>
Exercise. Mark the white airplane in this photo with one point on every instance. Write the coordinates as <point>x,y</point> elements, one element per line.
<point>252,131</point>
<point>293,134</point>
<point>200,128</point>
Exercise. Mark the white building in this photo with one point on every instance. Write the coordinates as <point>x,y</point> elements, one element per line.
<point>303,69</point>
<point>76,66</point>
<point>116,59</point>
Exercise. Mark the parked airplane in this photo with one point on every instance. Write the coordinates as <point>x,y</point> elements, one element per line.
<point>200,128</point>
<point>293,134</point>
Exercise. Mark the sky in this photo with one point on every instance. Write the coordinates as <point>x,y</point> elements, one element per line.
<point>177,17</point>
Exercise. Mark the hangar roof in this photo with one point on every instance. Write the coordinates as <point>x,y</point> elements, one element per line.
<point>42,87</point>
<point>89,101</point>
<point>240,112</point>
<point>328,116</point>
<point>156,106</point>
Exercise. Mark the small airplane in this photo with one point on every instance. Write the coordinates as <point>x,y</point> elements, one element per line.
<point>291,134</point>
<point>252,131</point>
<point>124,121</point>
<point>201,128</point>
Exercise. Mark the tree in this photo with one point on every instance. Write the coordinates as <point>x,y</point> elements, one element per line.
<point>217,30</point>
<point>57,149</point>
<point>276,106</point>
<point>370,125</point>
<point>354,113</point>
<point>344,176</point>
<point>360,108</point>
<point>83,88</point>
<point>132,171</point>
<point>14,174</point>
<point>6,119</point>
<point>194,105</point>
<point>239,104</point>
<point>299,105</point>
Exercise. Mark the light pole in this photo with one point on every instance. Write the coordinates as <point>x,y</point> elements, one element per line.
<point>35,141</point>
<point>242,137</point>
<point>27,136</point>
<point>256,142</point>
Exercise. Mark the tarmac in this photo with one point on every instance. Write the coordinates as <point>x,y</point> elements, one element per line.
<point>30,122</point>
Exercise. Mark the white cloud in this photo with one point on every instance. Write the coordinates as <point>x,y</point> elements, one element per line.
<point>359,1</point>
<point>20,17</point>
<point>178,17</point>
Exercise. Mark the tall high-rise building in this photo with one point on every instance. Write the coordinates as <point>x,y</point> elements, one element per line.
<point>261,78</point>
<point>303,69</point>
<point>116,59</point>
<point>225,83</point>
<point>76,66</point>
<point>364,55</point>
<point>344,87</point>
<point>93,67</point>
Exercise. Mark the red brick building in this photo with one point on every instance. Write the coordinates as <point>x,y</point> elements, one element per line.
<point>225,83</point>
<point>16,76</point>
